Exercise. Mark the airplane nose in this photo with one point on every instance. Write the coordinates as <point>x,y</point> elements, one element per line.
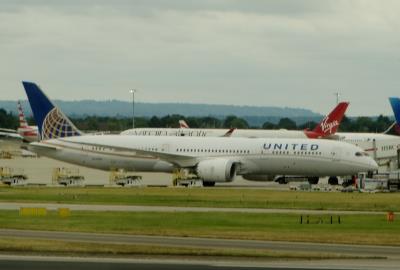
<point>373,166</point>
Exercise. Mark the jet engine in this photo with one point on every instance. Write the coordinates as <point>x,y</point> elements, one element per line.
<point>216,170</point>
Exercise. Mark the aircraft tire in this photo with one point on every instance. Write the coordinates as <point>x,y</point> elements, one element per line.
<point>208,184</point>
<point>313,180</point>
<point>333,180</point>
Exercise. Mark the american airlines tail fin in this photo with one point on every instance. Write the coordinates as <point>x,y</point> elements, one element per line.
<point>21,116</point>
<point>395,103</point>
<point>330,124</point>
<point>183,124</point>
<point>52,123</point>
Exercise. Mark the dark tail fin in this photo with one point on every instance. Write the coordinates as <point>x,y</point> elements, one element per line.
<point>52,123</point>
<point>395,103</point>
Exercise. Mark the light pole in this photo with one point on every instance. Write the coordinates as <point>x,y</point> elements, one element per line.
<point>337,94</point>
<point>133,106</point>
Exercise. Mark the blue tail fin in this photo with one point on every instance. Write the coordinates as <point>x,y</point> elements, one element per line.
<point>395,103</point>
<point>52,123</point>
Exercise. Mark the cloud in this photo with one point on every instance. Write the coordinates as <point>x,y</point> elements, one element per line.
<point>281,53</point>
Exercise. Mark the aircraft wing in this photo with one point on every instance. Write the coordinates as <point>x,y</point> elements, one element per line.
<point>43,146</point>
<point>10,136</point>
<point>183,161</point>
<point>7,130</point>
<point>179,160</point>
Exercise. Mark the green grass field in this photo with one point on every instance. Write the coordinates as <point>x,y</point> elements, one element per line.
<point>207,197</point>
<point>52,247</point>
<point>355,229</point>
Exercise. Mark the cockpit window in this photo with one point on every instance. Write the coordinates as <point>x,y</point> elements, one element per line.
<point>361,154</point>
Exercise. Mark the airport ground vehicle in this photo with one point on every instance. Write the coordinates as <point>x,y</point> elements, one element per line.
<point>13,176</point>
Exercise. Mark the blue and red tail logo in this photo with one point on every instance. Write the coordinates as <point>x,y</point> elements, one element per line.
<point>52,123</point>
<point>56,125</point>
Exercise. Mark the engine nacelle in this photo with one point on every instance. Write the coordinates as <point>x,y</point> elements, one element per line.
<point>259,177</point>
<point>216,170</point>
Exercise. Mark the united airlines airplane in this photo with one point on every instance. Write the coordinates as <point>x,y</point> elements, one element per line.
<point>212,159</point>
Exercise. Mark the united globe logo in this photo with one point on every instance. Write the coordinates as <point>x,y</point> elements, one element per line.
<point>55,125</point>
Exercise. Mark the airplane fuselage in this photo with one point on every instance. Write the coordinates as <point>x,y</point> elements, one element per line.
<point>194,132</point>
<point>255,156</point>
<point>378,145</point>
<point>29,133</point>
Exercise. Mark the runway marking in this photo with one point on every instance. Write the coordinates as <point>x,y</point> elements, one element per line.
<point>145,208</point>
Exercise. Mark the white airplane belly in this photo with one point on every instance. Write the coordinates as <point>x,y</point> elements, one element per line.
<point>104,161</point>
<point>299,166</point>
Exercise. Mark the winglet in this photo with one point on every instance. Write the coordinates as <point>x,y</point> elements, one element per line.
<point>330,124</point>
<point>52,123</point>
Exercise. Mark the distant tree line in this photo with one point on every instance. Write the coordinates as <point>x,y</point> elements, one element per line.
<point>8,120</point>
<point>99,123</point>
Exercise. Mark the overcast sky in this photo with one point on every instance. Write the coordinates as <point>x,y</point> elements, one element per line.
<point>264,53</point>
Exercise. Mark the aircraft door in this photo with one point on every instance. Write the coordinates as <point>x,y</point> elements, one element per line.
<point>165,148</point>
<point>336,153</point>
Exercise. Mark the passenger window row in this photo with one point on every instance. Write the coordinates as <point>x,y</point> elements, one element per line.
<point>298,153</point>
<point>191,150</point>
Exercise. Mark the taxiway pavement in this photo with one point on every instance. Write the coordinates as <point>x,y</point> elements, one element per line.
<point>144,208</point>
<point>19,262</point>
<point>392,252</point>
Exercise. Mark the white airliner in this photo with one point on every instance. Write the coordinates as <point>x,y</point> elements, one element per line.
<point>212,159</point>
<point>326,128</point>
<point>384,148</point>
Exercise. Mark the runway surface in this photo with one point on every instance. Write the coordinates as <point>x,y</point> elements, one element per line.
<point>17,262</point>
<point>391,252</point>
<point>139,208</point>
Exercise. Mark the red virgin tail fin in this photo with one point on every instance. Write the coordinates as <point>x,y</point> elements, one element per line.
<point>330,124</point>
